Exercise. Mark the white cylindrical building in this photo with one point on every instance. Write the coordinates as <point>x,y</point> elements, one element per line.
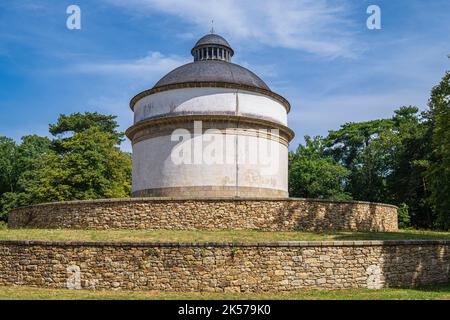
<point>210,128</point>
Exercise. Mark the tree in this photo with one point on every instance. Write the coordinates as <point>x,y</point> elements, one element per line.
<point>11,200</point>
<point>438,171</point>
<point>404,160</point>
<point>408,183</point>
<point>86,162</point>
<point>314,175</point>
<point>78,122</point>
<point>404,218</point>
<point>82,162</point>
<point>18,160</point>
<point>8,167</point>
<point>365,149</point>
<point>28,152</point>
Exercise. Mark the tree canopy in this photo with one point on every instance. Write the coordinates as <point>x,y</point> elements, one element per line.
<point>438,173</point>
<point>83,161</point>
<point>314,175</point>
<point>403,160</point>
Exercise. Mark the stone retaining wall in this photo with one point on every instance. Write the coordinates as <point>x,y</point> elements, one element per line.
<point>210,214</point>
<point>271,267</point>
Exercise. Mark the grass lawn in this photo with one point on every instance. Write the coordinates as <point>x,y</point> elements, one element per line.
<point>441,292</point>
<point>212,236</point>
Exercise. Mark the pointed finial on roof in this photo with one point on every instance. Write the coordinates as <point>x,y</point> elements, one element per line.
<point>212,27</point>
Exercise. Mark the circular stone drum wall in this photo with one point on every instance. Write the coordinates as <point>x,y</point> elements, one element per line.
<point>187,101</point>
<point>210,142</point>
<point>222,160</point>
<point>209,214</point>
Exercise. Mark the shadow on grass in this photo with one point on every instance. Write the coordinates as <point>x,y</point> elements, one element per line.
<point>402,235</point>
<point>445,287</point>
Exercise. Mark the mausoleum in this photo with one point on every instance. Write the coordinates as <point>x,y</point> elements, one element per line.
<point>232,127</point>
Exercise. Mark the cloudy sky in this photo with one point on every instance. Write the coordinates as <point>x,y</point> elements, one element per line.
<point>318,54</point>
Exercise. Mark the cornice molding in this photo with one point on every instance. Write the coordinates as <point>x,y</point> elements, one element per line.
<point>219,121</point>
<point>227,85</point>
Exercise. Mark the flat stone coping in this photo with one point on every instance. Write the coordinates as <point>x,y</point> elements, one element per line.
<point>169,199</point>
<point>290,244</point>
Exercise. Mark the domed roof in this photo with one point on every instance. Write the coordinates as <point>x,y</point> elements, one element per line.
<point>212,71</point>
<point>212,39</point>
<point>212,63</point>
<point>212,67</point>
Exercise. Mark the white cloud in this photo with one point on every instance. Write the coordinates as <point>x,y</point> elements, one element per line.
<point>131,77</point>
<point>315,26</point>
<point>150,67</point>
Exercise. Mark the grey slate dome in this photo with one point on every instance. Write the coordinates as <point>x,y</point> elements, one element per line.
<point>212,47</point>
<point>212,39</point>
<point>212,63</point>
<point>212,71</point>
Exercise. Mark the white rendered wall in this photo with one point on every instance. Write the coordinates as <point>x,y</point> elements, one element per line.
<point>263,167</point>
<point>207,100</point>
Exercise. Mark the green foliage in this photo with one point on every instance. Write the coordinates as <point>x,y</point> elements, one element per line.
<point>438,172</point>
<point>80,122</point>
<point>90,167</point>
<point>76,123</point>
<point>346,143</point>
<point>18,161</point>
<point>365,149</point>
<point>404,218</point>
<point>8,168</point>
<point>314,175</point>
<point>408,183</point>
<point>404,160</point>
<point>82,162</point>
<point>29,151</point>
<point>11,200</point>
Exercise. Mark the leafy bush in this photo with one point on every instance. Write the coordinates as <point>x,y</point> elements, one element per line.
<point>404,217</point>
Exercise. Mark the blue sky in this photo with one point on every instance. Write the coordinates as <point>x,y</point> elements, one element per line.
<point>319,54</point>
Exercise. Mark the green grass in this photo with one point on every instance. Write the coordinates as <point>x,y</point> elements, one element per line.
<point>441,292</point>
<point>212,236</point>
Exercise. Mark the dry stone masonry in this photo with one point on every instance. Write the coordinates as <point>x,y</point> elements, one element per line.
<point>210,214</point>
<point>209,267</point>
